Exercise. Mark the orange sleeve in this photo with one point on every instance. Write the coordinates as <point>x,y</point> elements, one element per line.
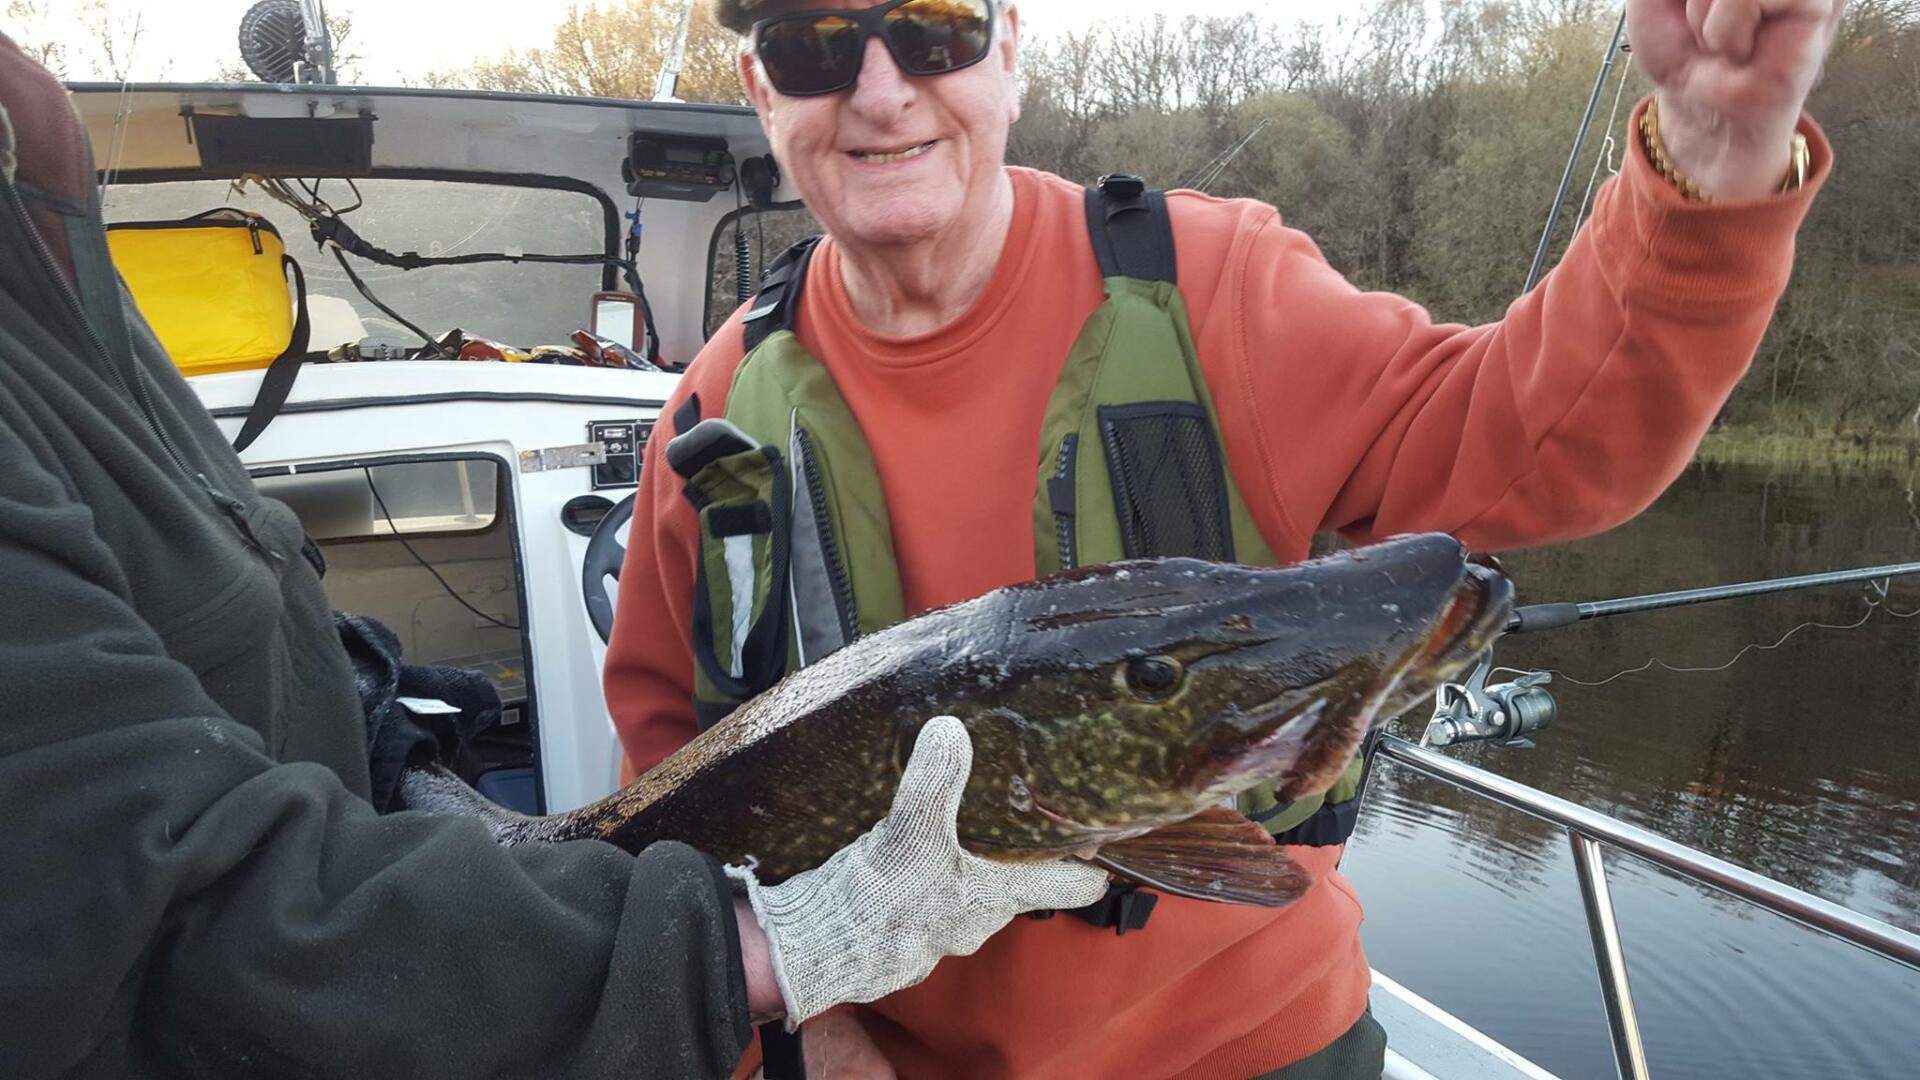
<point>1567,417</point>
<point>648,678</point>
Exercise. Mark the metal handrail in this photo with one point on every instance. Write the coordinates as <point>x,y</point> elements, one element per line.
<point>1590,829</point>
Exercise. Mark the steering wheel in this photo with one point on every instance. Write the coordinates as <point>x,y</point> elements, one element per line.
<point>605,553</point>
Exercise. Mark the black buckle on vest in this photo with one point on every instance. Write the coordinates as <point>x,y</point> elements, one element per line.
<point>1122,186</point>
<point>1124,908</point>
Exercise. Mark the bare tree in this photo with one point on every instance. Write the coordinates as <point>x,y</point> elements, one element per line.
<point>616,50</point>
<point>27,24</point>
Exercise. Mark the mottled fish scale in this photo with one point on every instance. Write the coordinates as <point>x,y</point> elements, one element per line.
<point>1111,709</point>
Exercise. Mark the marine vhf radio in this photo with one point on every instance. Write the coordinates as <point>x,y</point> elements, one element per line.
<point>690,168</point>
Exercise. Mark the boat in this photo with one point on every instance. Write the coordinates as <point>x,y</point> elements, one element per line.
<point>477,507</point>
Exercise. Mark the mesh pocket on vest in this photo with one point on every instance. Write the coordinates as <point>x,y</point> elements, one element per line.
<point>1169,488</point>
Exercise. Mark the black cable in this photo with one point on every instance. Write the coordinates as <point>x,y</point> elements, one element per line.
<point>461,600</point>
<point>329,230</point>
<point>392,314</point>
<point>313,193</point>
<point>742,269</point>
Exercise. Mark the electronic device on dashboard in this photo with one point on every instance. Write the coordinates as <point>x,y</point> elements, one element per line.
<point>692,168</point>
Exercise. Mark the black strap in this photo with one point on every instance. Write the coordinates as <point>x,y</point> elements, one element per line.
<point>687,415</point>
<point>1131,230</point>
<point>745,520</point>
<point>1332,824</point>
<point>1328,826</point>
<point>781,1057</point>
<point>277,383</point>
<point>1125,907</point>
<point>779,296</point>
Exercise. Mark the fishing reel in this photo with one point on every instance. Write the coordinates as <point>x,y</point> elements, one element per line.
<point>1503,714</point>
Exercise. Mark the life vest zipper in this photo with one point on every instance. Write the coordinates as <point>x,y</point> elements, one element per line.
<point>837,578</point>
<point>1060,494</point>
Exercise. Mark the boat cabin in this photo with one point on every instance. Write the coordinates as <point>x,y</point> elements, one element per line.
<point>446,440</point>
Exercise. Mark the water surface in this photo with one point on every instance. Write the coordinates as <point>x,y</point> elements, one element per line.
<point>1801,762</point>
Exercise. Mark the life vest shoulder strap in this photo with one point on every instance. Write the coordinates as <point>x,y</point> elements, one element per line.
<point>1131,230</point>
<point>774,306</point>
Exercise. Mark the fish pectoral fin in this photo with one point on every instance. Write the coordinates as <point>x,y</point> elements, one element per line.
<point>1216,855</point>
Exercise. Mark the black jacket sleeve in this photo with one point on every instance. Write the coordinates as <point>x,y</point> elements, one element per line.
<point>175,902</point>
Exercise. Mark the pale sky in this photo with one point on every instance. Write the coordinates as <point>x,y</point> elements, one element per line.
<point>188,40</point>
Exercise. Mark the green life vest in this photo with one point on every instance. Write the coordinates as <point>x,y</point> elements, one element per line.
<point>796,551</point>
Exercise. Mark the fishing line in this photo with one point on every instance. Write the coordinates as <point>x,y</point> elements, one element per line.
<point>1913,509</point>
<point>118,140</point>
<point>1607,145</point>
<point>1873,602</point>
<point>461,600</point>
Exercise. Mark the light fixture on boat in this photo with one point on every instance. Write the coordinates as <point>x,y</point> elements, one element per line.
<point>286,41</point>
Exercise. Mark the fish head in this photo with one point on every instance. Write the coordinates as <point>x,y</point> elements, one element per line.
<point>1140,693</point>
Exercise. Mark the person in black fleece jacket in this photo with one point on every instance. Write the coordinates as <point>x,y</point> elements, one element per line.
<point>192,878</point>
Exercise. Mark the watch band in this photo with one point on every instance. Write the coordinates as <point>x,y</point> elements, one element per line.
<point>1688,188</point>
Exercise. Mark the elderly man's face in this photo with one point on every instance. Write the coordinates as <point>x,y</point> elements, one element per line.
<point>898,159</point>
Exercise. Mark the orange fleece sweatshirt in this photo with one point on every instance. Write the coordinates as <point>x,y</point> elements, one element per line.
<point>1340,409</point>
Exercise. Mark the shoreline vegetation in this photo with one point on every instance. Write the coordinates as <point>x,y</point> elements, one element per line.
<point>1744,445</point>
<point>1419,147</point>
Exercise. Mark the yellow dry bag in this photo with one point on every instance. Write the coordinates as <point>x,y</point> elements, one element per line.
<point>214,288</point>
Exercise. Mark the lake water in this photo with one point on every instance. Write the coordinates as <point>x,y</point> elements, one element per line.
<point>1801,762</point>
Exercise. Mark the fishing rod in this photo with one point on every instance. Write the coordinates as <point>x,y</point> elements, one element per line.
<point>1212,170</point>
<point>1535,617</point>
<point>1614,48</point>
<point>1506,713</point>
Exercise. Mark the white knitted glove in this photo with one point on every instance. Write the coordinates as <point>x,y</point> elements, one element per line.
<point>883,910</point>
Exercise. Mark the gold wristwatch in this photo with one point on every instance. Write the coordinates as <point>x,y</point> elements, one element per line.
<point>1657,154</point>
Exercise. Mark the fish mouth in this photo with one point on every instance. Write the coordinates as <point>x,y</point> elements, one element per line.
<point>1312,740</point>
<point>1475,614</point>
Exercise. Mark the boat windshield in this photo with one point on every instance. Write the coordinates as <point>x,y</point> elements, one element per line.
<point>518,304</point>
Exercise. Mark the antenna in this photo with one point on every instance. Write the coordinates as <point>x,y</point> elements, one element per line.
<point>669,84</point>
<point>319,42</point>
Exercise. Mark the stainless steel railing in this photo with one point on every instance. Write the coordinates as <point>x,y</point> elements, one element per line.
<point>1590,832</point>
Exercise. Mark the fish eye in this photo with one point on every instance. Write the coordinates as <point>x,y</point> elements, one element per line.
<point>1153,677</point>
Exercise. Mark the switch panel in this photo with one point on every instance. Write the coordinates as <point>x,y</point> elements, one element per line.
<point>624,440</point>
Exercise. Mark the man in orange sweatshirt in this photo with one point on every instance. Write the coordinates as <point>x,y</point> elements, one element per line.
<point>959,311</point>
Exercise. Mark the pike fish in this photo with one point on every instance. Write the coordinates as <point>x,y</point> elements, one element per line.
<point>1114,711</point>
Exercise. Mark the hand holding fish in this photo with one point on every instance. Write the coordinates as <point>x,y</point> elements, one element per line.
<point>877,915</point>
<point>1731,78</point>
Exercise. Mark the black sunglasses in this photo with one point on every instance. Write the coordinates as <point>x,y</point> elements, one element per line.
<point>819,52</point>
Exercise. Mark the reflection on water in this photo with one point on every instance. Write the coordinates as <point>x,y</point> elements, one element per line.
<point>1801,762</point>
